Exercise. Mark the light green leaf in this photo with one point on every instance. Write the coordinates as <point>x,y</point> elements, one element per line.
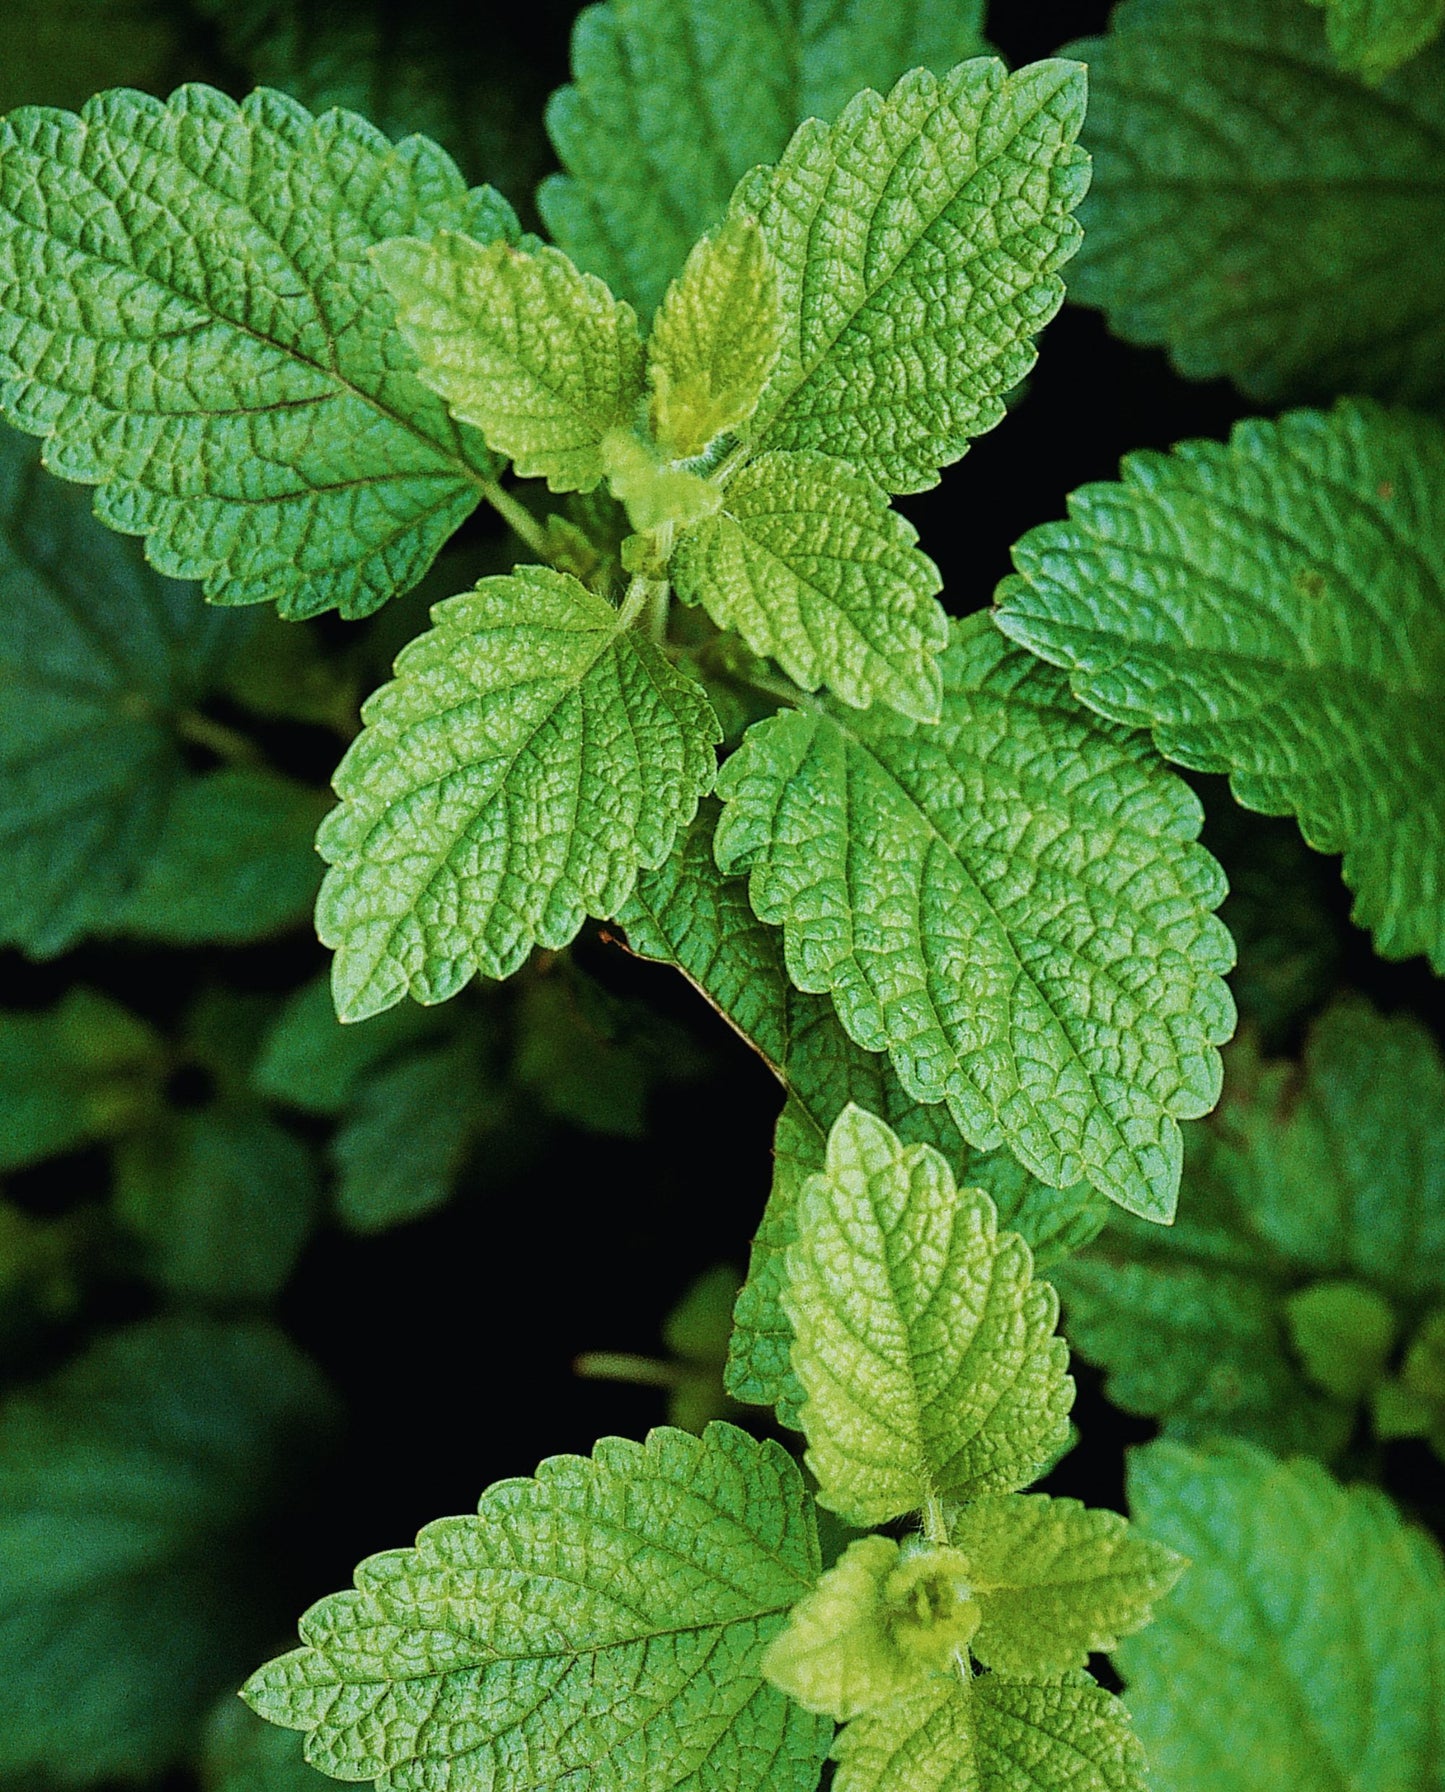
<point>1055,1581</point>
<point>1306,1645</point>
<point>1011,903</point>
<point>222,1200</point>
<point>85,1069</point>
<point>653,492</point>
<point>993,1735</point>
<point>602,1623</point>
<point>187,313</point>
<point>918,243</point>
<point>311,1061</point>
<point>811,566</point>
<point>1309,1176</point>
<point>1256,214</point>
<point>715,340</point>
<point>540,357</point>
<point>1274,609</point>
<point>403,1141</point>
<point>133,1589</point>
<point>531,755</point>
<point>923,1344</point>
<point>1373,37</point>
<point>676,99</point>
<point>686,913</point>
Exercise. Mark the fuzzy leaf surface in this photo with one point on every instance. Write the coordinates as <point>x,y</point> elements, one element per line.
<point>925,1349</point>
<point>602,1623</point>
<point>539,356</point>
<point>1012,903</point>
<point>1274,609</point>
<point>918,242</point>
<point>1258,214</point>
<point>1306,1645</point>
<point>813,568</point>
<point>674,101</point>
<point>529,757</point>
<point>187,313</point>
<point>996,1735</point>
<point>1330,1171</point>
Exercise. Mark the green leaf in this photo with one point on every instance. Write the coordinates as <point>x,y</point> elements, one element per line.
<point>601,1623</point>
<point>188,314</point>
<point>85,1069</point>
<point>311,1061</point>
<point>674,100</point>
<point>715,340</point>
<point>918,243</point>
<point>1373,37</point>
<point>403,1142</point>
<point>1055,1581</point>
<point>686,913</point>
<point>1256,214</point>
<point>541,358</point>
<point>1309,1632</point>
<point>222,1200</point>
<point>1343,1333</point>
<point>132,1592</point>
<point>531,755</point>
<point>58,52</point>
<point>923,1344</point>
<point>1033,944</point>
<point>993,1735</point>
<point>1274,609</point>
<point>811,566</point>
<point>654,492</point>
<point>1309,1176</point>
<point>244,1754</point>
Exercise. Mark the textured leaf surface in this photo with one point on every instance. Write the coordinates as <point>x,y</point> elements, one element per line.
<point>1373,37</point>
<point>86,1069</point>
<point>1275,609</point>
<point>687,913</point>
<point>541,358</point>
<point>918,243</point>
<point>925,1349</point>
<point>530,756</point>
<point>1330,1171</point>
<point>1257,213</point>
<point>1012,904</point>
<point>126,1485</point>
<point>188,314</point>
<point>1306,1645</point>
<point>601,1624</point>
<point>996,1735</point>
<point>674,100</point>
<point>807,561</point>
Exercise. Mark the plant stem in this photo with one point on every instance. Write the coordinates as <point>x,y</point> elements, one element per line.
<point>228,744</point>
<point>620,1365</point>
<point>515,513</point>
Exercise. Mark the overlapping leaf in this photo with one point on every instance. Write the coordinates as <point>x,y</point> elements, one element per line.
<point>1257,213</point>
<point>188,314</point>
<point>602,1622</point>
<point>1011,903</point>
<point>530,756</point>
<point>1275,609</point>
<point>674,100</point>
<point>1306,1645</point>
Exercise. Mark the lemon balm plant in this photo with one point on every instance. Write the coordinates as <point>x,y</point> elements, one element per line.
<point>938,871</point>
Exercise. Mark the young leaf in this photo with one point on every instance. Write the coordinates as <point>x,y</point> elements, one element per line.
<point>1255,213</point>
<point>912,300</point>
<point>541,358</point>
<point>1274,609</point>
<point>923,1344</point>
<point>1011,903</point>
<point>130,1595</point>
<point>1308,1177</point>
<point>676,99</point>
<point>602,1623</point>
<point>995,1734</point>
<point>187,312</point>
<point>1055,1581</point>
<point>85,1070</point>
<point>1306,1645</point>
<point>1373,37</point>
<point>715,340</point>
<point>808,562</point>
<point>531,755</point>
